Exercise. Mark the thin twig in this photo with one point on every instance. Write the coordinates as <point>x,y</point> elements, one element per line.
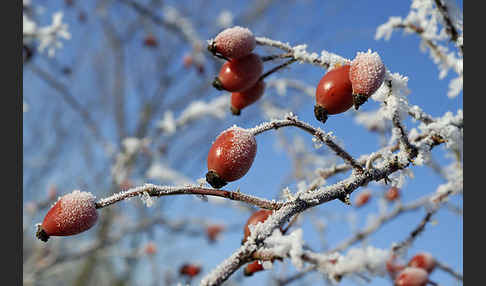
<point>275,69</point>
<point>450,29</point>
<point>319,134</point>
<point>274,57</point>
<point>414,234</point>
<point>159,191</point>
<point>449,270</point>
<point>72,102</point>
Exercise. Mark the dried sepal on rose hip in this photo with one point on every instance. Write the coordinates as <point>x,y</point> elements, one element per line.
<point>239,74</point>
<point>412,276</point>
<point>367,73</point>
<point>256,217</point>
<point>333,93</point>
<point>242,99</point>
<point>230,156</point>
<point>233,43</point>
<point>253,267</point>
<point>423,260</point>
<point>71,214</point>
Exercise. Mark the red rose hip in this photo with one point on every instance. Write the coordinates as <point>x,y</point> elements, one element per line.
<point>150,41</point>
<point>256,217</point>
<point>366,74</point>
<point>230,156</point>
<point>412,276</point>
<point>213,232</point>
<point>252,268</point>
<point>239,74</point>
<point>240,100</point>
<point>71,214</point>
<point>423,260</point>
<point>233,43</point>
<point>190,270</point>
<point>333,93</point>
<point>392,194</point>
<point>362,198</point>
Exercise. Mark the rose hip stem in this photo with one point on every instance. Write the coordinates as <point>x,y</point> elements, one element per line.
<point>277,68</point>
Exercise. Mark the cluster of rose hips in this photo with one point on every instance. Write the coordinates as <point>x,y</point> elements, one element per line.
<point>348,85</point>
<point>415,273</point>
<point>364,197</point>
<point>241,74</point>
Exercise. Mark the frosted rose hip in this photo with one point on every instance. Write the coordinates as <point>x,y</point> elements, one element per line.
<point>230,156</point>
<point>233,43</point>
<point>71,214</point>
<point>256,217</point>
<point>423,260</point>
<point>239,74</point>
<point>367,73</point>
<point>240,100</point>
<point>412,276</point>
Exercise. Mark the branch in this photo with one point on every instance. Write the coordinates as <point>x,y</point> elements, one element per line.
<point>380,221</point>
<point>409,149</point>
<point>451,30</point>
<point>449,270</point>
<point>319,134</point>
<point>159,191</point>
<point>302,202</point>
<point>414,234</point>
<point>298,53</point>
<point>73,103</point>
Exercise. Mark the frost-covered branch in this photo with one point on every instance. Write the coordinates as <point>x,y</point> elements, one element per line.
<point>450,26</point>
<point>216,107</point>
<point>323,137</point>
<point>449,270</point>
<point>300,54</point>
<point>424,19</point>
<point>403,138</point>
<point>49,37</point>
<point>301,202</point>
<point>149,190</point>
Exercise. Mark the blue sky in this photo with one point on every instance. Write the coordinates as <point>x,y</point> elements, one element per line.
<point>341,27</point>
